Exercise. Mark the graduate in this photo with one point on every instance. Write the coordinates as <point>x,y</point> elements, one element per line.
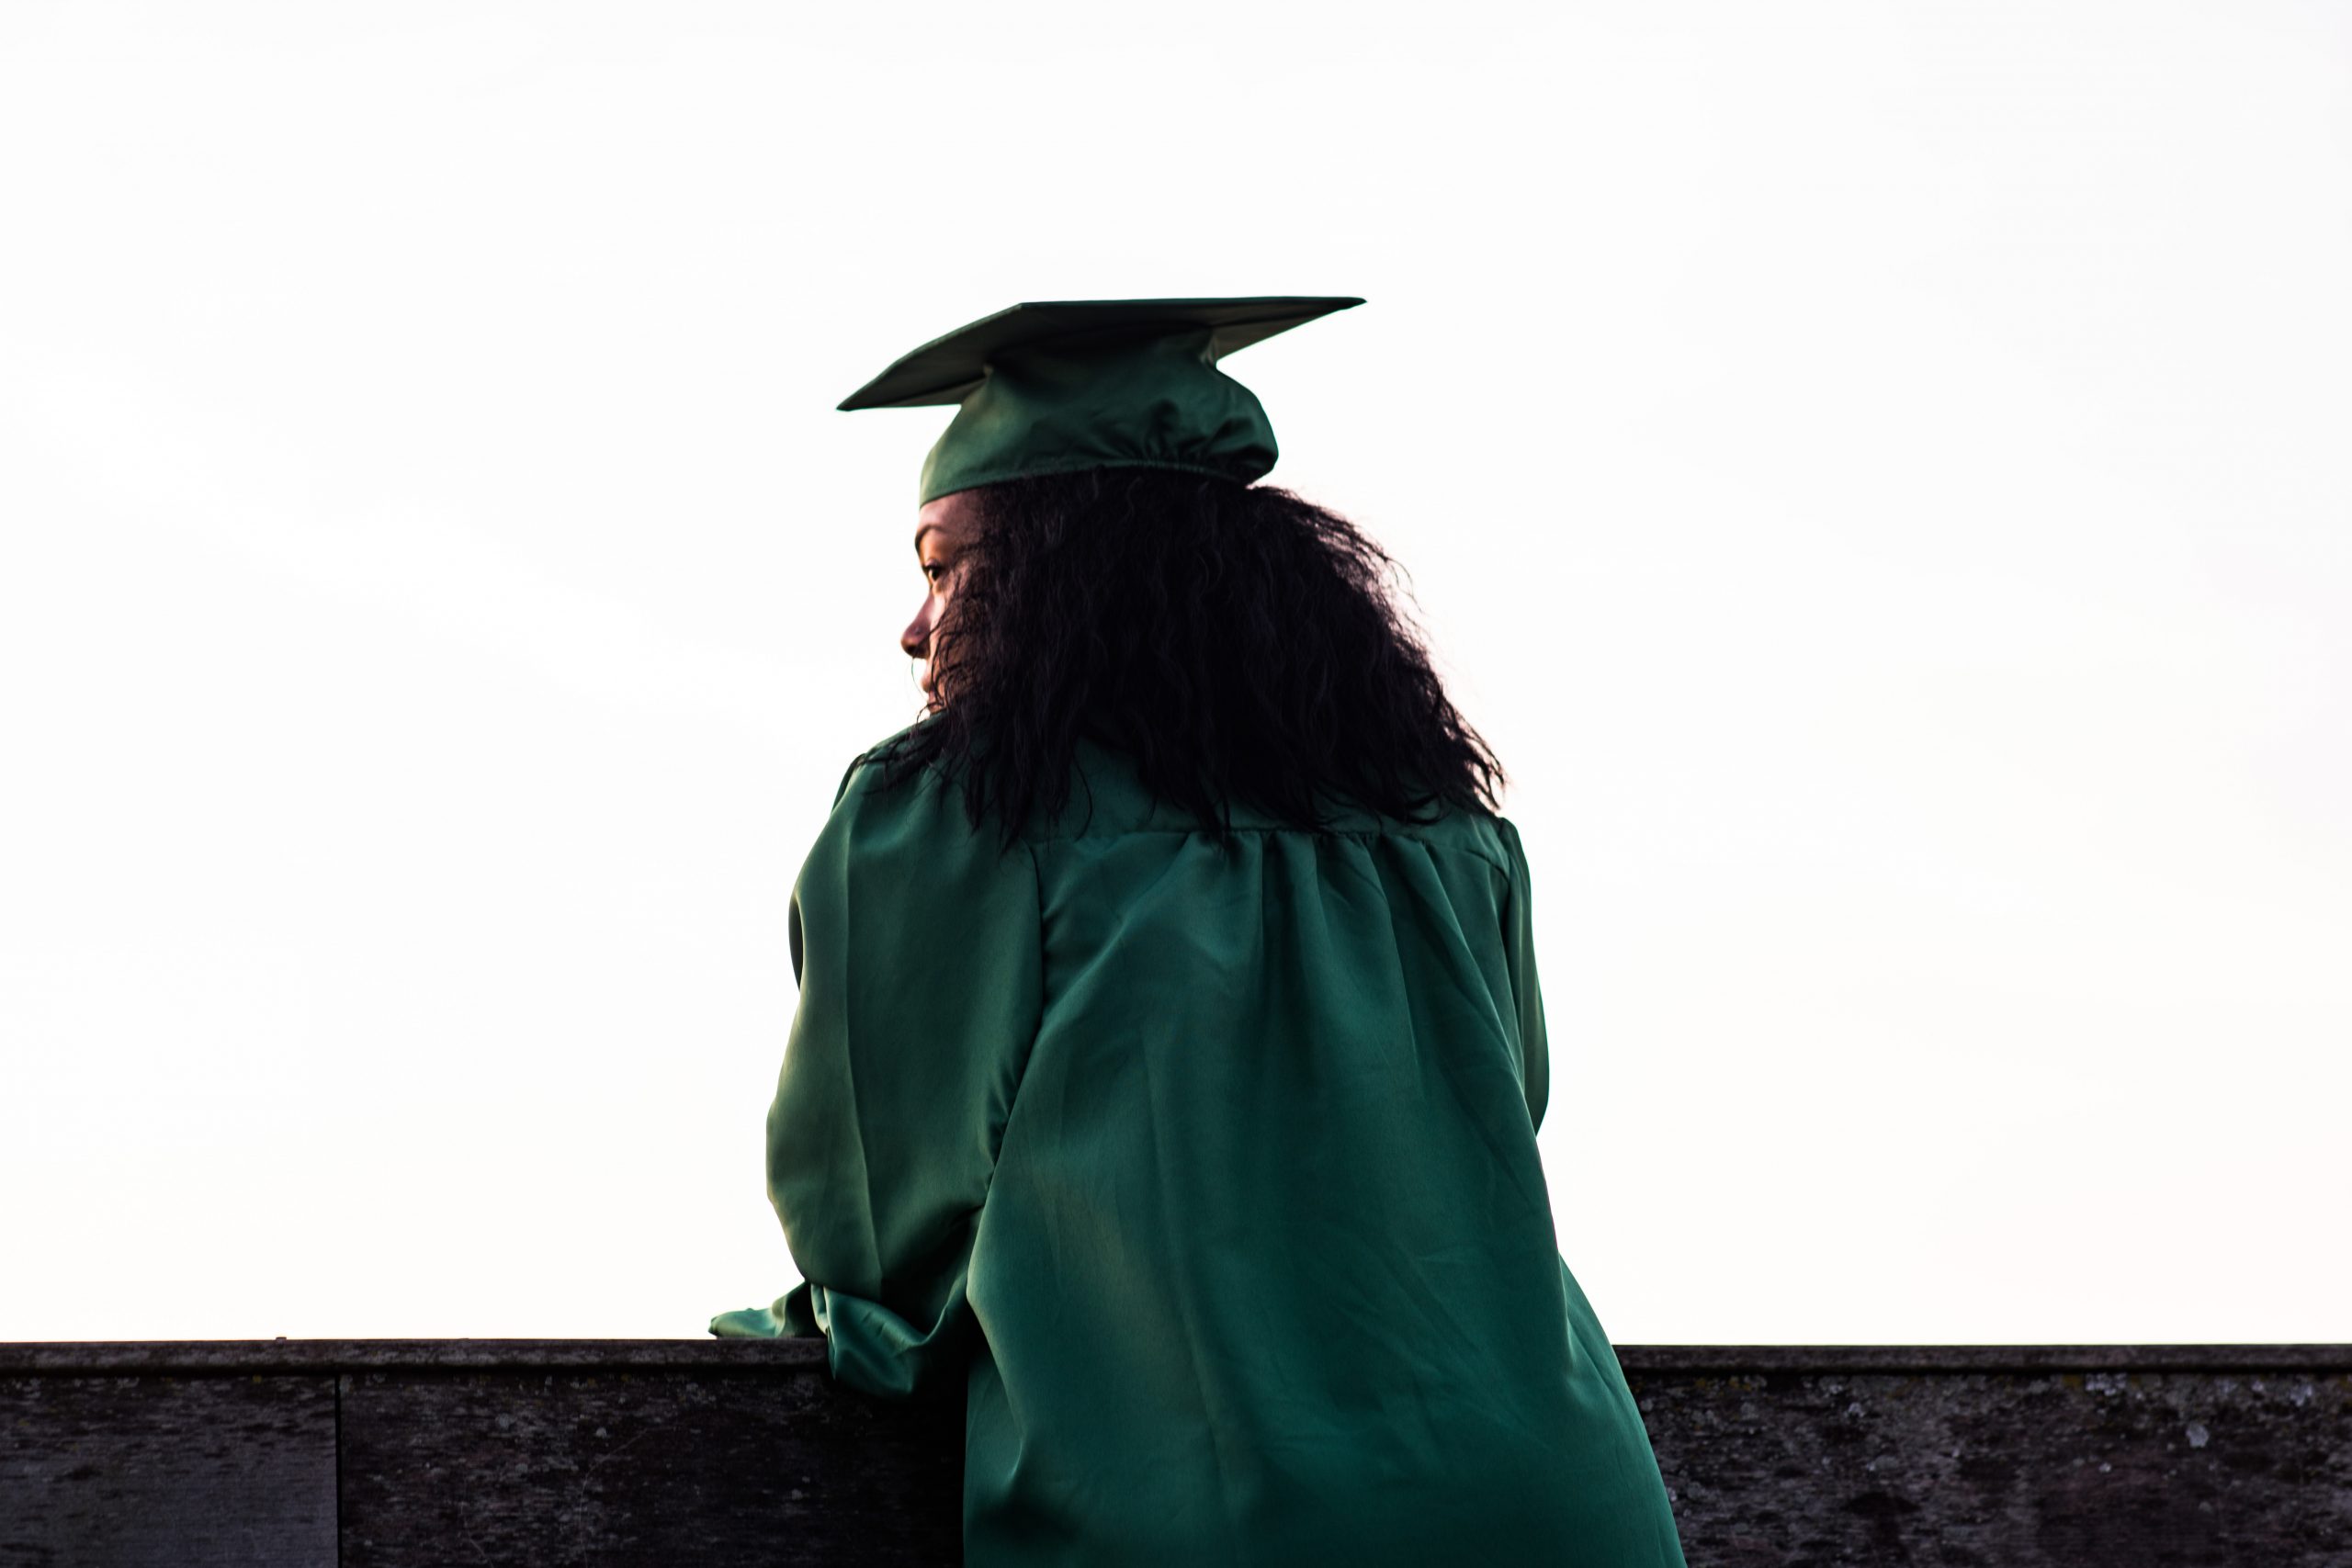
<point>1170,1052</point>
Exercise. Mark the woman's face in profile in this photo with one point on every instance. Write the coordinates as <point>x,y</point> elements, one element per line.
<point>944,529</point>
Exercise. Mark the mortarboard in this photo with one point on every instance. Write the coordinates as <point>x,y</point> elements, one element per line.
<point>1053,387</point>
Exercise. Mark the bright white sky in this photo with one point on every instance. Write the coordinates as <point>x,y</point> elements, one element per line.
<point>1877,473</point>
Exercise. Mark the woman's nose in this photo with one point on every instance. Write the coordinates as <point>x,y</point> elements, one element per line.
<point>916,639</point>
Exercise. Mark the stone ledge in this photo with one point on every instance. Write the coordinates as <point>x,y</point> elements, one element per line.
<point>675,1452</point>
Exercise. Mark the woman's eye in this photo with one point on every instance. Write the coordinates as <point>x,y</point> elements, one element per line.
<point>933,570</point>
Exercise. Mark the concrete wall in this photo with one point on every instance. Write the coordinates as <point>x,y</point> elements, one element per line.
<point>676,1453</point>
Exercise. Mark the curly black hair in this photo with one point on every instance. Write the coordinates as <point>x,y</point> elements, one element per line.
<point>1238,643</point>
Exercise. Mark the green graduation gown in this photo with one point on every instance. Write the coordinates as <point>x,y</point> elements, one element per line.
<point>1211,1171</point>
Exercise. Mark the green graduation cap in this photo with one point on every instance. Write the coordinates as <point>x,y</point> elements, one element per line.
<point>1056,386</point>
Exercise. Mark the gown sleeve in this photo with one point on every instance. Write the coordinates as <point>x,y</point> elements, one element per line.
<point>916,944</point>
<point>1527,993</point>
